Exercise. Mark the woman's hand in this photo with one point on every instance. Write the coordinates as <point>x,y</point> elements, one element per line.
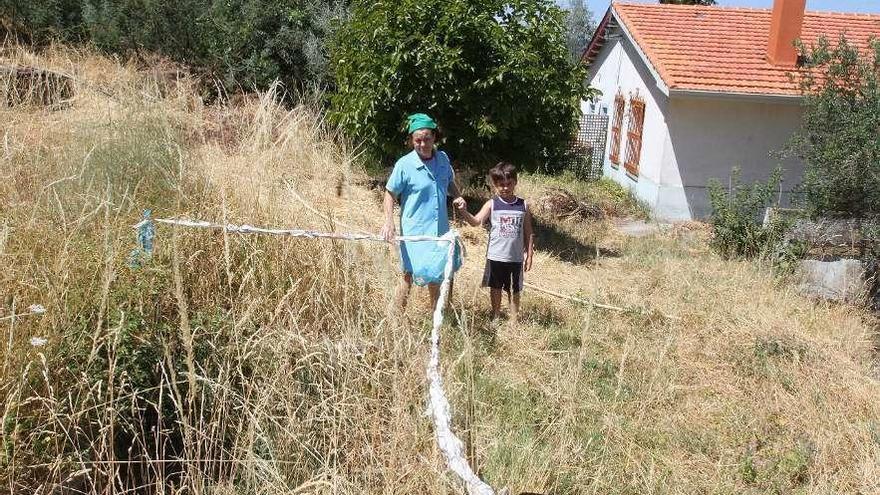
<point>459,203</point>
<point>388,231</point>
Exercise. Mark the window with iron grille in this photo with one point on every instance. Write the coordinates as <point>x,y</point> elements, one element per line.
<point>634,134</point>
<point>616,125</point>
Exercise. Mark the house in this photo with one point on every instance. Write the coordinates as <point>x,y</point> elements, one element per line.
<point>692,91</point>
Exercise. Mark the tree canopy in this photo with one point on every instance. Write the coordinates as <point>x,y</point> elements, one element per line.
<point>839,140</point>
<point>496,74</point>
<point>240,43</point>
<point>579,27</point>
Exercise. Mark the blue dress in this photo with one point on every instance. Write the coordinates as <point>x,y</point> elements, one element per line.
<point>422,187</point>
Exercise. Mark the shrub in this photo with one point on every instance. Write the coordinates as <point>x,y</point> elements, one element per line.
<point>496,75</point>
<point>838,141</point>
<point>237,43</point>
<point>44,19</point>
<point>736,225</point>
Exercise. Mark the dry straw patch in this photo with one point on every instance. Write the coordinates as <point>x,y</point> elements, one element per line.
<point>262,365</point>
<point>225,360</point>
<point>756,389</point>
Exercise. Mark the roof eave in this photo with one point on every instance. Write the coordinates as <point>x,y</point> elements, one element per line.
<point>597,40</point>
<point>739,96</point>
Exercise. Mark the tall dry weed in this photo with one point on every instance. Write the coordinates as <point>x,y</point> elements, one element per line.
<point>246,364</point>
<point>224,360</point>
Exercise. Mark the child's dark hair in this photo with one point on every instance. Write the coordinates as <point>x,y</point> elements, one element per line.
<point>502,171</point>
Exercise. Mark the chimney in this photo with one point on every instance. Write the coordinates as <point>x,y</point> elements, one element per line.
<point>785,27</point>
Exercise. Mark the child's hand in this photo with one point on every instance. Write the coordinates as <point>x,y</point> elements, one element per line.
<point>527,263</point>
<point>459,203</point>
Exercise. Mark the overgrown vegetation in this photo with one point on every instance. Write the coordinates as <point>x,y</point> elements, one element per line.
<point>237,44</point>
<point>495,74</point>
<point>187,370</point>
<point>610,197</point>
<point>258,365</point>
<point>737,209</point>
<point>839,140</point>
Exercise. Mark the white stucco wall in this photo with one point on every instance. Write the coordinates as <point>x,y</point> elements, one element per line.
<point>711,136</point>
<point>618,66</point>
<point>689,140</point>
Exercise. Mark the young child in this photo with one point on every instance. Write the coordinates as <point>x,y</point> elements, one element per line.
<point>510,239</point>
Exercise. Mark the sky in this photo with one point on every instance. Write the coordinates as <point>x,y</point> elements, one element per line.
<point>598,7</point>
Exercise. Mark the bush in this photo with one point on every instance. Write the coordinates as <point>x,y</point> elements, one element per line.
<point>736,225</point>
<point>43,20</point>
<point>238,43</point>
<point>496,75</point>
<point>838,141</point>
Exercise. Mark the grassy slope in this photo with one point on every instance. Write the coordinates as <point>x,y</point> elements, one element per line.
<point>274,349</point>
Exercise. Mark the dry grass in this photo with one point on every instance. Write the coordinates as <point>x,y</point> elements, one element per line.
<point>267,365</point>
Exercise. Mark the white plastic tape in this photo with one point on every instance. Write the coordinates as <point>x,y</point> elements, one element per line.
<point>451,446</point>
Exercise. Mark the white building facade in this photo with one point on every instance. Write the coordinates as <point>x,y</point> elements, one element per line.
<point>713,98</point>
<point>688,140</point>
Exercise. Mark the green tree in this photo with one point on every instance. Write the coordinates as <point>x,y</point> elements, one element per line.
<point>496,74</point>
<point>579,27</point>
<point>259,41</point>
<point>241,43</point>
<point>689,2</point>
<point>839,140</point>
<point>174,29</point>
<point>42,19</point>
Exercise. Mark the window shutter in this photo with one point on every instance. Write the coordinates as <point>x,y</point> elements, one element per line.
<point>634,134</point>
<point>616,126</point>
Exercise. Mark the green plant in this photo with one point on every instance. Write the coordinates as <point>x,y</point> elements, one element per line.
<point>496,75</point>
<point>235,44</point>
<point>786,254</point>
<point>579,28</point>
<point>736,211</point>
<point>617,200</point>
<point>838,140</point>
<point>45,19</point>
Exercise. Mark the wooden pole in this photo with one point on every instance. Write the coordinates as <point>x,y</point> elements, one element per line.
<point>590,303</point>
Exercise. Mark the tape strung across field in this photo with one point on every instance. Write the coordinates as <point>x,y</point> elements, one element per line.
<point>451,446</point>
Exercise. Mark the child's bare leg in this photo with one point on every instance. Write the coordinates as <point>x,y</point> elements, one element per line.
<point>495,299</point>
<point>403,290</point>
<point>514,306</point>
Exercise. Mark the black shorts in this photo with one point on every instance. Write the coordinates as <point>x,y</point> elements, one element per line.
<point>504,275</point>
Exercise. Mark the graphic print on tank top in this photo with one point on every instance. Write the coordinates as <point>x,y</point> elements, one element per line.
<point>506,232</point>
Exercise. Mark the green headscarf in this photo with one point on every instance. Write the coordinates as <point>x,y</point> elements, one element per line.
<point>420,121</point>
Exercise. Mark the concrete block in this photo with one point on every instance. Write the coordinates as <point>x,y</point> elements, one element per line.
<point>841,280</point>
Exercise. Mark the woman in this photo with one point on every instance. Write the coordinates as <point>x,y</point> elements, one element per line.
<point>422,179</point>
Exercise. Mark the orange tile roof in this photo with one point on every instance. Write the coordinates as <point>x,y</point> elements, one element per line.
<point>718,49</point>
